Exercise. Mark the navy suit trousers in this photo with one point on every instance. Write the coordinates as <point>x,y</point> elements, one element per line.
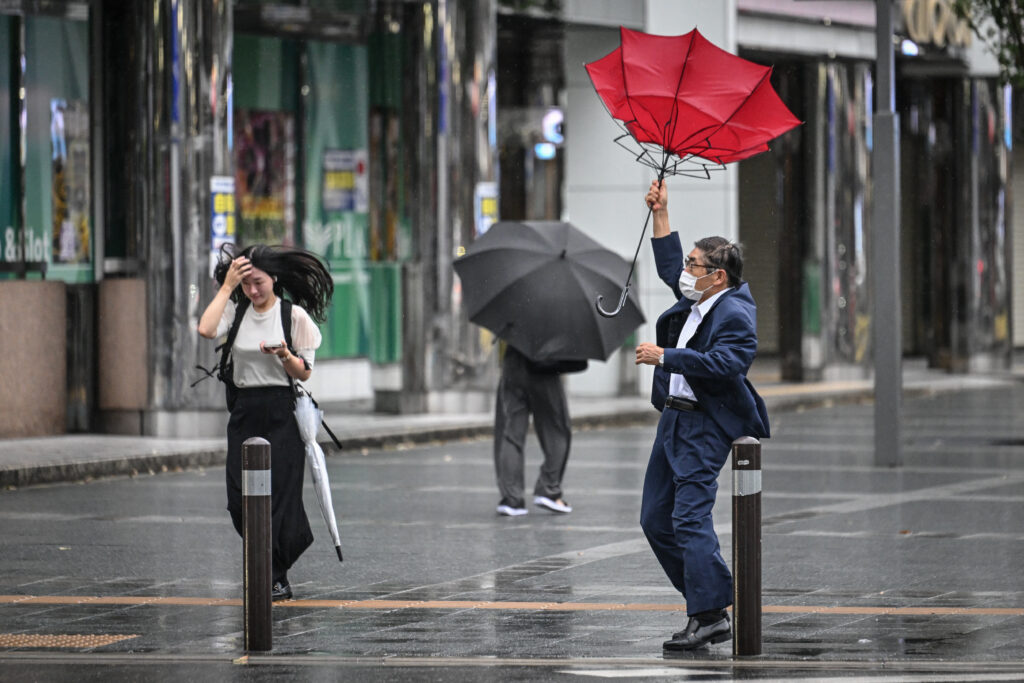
<point>679,494</point>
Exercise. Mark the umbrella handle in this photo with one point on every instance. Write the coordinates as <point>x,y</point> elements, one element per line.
<point>629,278</point>
<point>622,302</point>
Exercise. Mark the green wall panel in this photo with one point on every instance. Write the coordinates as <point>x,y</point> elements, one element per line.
<point>386,312</point>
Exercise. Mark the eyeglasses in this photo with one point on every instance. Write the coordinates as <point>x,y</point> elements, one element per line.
<point>690,263</point>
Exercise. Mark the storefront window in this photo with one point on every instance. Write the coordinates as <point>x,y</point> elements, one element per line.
<point>337,187</point>
<point>265,99</point>
<point>301,159</point>
<point>847,158</point>
<point>8,197</point>
<point>990,326</point>
<point>51,138</point>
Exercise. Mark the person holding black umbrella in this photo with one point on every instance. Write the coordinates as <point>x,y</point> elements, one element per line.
<point>532,284</point>
<point>705,344</point>
<point>526,387</point>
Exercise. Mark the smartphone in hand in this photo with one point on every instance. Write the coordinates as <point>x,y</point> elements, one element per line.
<point>270,348</point>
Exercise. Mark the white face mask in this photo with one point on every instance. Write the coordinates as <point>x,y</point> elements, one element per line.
<point>688,286</point>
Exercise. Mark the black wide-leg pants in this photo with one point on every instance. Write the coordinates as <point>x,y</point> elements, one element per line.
<point>268,412</point>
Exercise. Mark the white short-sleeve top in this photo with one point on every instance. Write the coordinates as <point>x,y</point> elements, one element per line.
<point>252,367</point>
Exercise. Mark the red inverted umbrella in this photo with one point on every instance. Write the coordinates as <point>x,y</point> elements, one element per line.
<point>687,106</point>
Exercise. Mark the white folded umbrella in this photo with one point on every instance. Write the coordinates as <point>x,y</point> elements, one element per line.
<point>308,417</point>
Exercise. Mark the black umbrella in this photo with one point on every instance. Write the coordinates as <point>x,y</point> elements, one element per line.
<point>533,284</point>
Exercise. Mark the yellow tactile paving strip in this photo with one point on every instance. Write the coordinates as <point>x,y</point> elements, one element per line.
<point>62,640</point>
<point>496,605</point>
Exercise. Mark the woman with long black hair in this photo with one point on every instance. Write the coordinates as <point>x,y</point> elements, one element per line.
<point>264,368</point>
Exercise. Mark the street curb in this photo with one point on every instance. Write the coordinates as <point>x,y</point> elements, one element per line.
<point>83,471</point>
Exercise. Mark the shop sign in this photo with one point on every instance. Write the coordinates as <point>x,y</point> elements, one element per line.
<point>933,22</point>
<point>222,215</point>
<point>25,245</point>
<point>485,203</point>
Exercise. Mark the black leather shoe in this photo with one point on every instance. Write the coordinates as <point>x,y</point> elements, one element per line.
<point>280,591</point>
<point>695,635</point>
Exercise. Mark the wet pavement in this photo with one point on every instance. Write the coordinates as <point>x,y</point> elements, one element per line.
<point>869,573</point>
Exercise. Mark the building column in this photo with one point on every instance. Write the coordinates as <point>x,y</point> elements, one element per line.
<point>171,113</point>
<point>448,51</point>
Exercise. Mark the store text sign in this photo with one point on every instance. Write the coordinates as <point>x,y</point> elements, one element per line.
<point>933,22</point>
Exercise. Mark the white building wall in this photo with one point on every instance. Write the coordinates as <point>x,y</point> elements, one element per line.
<point>604,186</point>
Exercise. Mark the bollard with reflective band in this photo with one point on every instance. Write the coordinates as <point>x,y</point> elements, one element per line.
<point>257,543</point>
<point>746,546</point>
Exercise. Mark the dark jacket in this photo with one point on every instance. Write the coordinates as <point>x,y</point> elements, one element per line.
<point>718,356</point>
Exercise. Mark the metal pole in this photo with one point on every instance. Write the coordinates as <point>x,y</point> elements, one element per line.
<point>885,250</point>
<point>746,546</point>
<point>257,543</point>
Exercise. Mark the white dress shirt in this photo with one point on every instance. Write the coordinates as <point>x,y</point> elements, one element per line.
<point>677,384</point>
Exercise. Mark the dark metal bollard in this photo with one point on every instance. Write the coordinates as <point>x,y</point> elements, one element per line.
<point>746,546</point>
<point>257,543</point>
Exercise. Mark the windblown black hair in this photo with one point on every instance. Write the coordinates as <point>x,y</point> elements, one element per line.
<point>299,273</point>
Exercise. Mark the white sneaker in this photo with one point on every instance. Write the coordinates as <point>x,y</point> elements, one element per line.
<point>509,511</point>
<point>553,505</point>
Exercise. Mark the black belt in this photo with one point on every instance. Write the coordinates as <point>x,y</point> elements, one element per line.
<point>682,404</point>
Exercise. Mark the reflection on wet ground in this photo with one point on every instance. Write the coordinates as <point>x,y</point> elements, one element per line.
<point>914,571</point>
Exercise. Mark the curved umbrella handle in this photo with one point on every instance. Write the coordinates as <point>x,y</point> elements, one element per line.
<point>629,278</point>
<point>622,302</point>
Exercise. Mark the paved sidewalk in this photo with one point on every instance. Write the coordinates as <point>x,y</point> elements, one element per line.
<point>80,457</point>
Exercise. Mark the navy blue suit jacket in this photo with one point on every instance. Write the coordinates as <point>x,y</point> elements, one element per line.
<point>717,358</point>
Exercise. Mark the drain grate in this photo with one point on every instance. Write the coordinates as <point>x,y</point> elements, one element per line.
<point>62,640</point>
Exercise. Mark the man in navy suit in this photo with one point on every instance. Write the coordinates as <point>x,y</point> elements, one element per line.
<point>705,344</point>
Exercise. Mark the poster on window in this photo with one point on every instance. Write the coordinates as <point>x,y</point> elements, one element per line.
<point>265,176</point>
<point>345,181</point>
<point>69,147</point>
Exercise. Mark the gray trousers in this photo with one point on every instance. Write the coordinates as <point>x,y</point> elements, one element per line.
<point>521,392</point>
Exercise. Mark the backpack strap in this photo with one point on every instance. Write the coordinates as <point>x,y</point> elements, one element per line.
<point>286,322</point>
<point>225,367</point>
<point>286,325</point>
<point>223,370</point>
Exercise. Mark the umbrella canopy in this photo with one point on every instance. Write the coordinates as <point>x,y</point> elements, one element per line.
<point>531,283</point>
<point>308,417</point>
<point>684,102</point>
<point>687,107</point>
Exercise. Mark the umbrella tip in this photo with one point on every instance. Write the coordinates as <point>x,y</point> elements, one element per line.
<point>338,548</point>
<point>562,254</point>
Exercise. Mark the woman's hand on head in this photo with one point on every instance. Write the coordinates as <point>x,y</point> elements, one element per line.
<point>240,267</point>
